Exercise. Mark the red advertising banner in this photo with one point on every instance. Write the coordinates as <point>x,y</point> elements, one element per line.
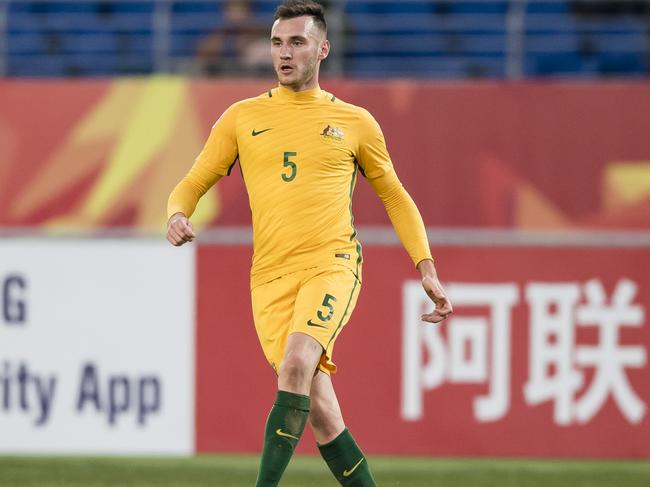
<point>106,153</point>
<point>545,355</point>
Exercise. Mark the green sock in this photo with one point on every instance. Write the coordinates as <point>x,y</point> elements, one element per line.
<point>284,427</point>
<point>346,461</point>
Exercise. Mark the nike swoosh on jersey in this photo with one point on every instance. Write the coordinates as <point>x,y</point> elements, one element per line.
<point>311,323</point>
<point>279,432</point>
<point>347,473</point>
<point>254,134</point>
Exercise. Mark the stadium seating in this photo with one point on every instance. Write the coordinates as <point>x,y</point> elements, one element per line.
<point>451,39</point>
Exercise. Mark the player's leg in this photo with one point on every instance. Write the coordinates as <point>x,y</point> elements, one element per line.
<point>273,308</point>
<point>325,414</point>
<point>295,358</point>
<point>323,307</point>
<point>288,416</point>
<point>335,442</point>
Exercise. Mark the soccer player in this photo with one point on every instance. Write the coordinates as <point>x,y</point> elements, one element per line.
<point>300,150</point>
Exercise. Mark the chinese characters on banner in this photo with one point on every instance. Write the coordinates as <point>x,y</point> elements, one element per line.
<point>476,348</point>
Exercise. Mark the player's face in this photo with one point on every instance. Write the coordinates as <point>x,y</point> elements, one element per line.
<point>297,48</point>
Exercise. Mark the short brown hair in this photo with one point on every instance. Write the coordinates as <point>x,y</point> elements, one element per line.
<point>297,8</point>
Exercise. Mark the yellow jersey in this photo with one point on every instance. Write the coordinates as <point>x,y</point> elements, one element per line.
<point>300,154</point>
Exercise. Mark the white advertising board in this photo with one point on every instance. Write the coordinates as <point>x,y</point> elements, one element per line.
<point>96,346</point>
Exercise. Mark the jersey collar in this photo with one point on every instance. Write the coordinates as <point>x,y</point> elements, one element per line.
<point>312,94</point>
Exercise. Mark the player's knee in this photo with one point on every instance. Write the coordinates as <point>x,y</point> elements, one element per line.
<point>296,370</point>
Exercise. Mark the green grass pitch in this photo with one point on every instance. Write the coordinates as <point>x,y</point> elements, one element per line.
<point>305,471</point>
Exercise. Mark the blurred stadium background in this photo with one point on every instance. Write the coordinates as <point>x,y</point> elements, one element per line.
<point>519,127</point>
<point>374,38</point>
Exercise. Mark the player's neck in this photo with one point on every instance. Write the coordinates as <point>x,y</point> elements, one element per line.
<point>308,94</point>
<point>310,84</point>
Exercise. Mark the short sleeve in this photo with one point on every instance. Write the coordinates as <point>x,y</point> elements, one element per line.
<point>372,154</point>
<point>220,150</point>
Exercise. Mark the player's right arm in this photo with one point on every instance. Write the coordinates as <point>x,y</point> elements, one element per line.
<point>215,161</point>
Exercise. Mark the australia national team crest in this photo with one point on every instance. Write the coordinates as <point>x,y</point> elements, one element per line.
<point>332,133</point>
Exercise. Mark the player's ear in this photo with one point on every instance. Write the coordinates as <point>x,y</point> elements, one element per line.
<point>324,50</point>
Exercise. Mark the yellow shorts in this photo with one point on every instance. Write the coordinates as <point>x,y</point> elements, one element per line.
<point>316,301</point>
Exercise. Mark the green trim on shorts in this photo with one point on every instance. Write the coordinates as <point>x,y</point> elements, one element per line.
<point>356,281</point>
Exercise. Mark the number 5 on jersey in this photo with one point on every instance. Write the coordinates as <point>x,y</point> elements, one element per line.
<point>291,165</point>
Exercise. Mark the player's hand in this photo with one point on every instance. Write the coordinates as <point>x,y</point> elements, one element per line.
<point>435,291</point>
<point>179,230</point>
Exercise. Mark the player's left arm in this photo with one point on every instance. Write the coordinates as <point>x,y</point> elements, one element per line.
<point>408,225</point>
<point>403,213</point>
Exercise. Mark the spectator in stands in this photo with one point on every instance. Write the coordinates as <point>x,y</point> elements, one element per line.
<point>240,46</point>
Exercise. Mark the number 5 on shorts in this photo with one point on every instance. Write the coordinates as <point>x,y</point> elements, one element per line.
<point>329,306</point>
